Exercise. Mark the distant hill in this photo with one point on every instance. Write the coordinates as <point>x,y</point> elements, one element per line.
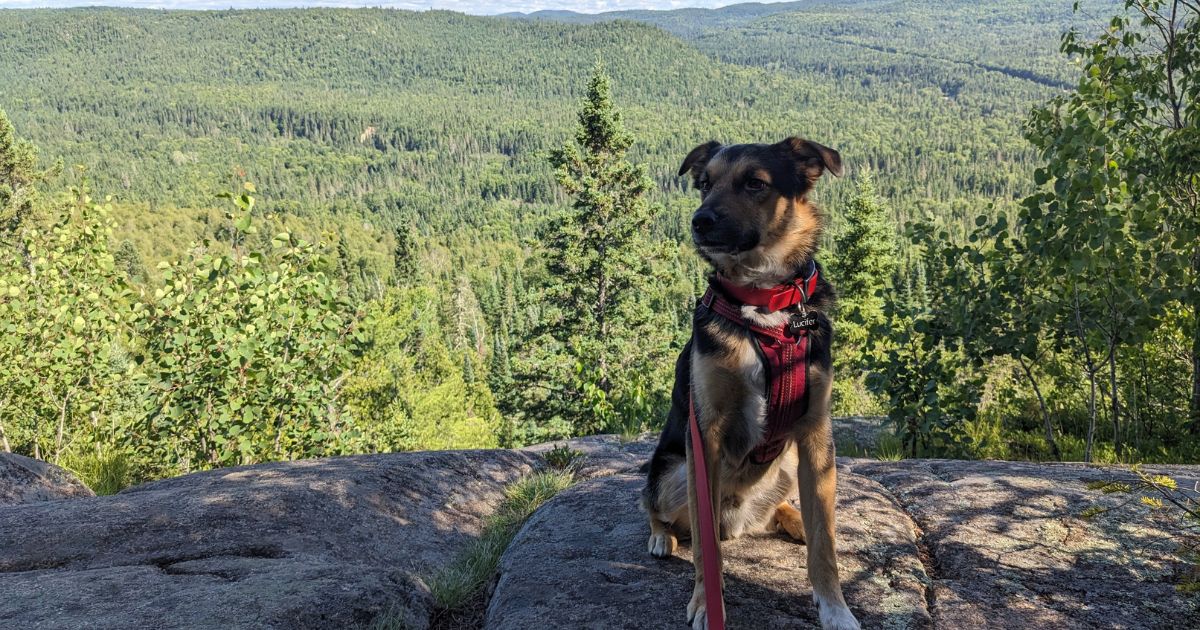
<point>740,12</point>
<point>445,119</point>
<point>1006,35</point>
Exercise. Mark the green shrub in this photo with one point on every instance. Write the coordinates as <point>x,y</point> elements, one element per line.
<point>562,457</point>
<point>243,355</point>
<point>63,333</point>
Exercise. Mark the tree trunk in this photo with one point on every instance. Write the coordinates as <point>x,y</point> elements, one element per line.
<point>1116,399</point>
<point>96,431</point>
<point>602,321</point>
<point>4,436</point>
<point>58,437</point>
<point>1046,424</point>
<point>1091,370</point>
<point>1091,434</point>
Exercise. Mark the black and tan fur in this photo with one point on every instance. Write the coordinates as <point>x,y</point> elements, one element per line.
<point>755,226</point>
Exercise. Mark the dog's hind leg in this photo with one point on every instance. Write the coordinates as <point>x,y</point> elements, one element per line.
<point>665,502</point>
<point>788,519</point>
<point>662,541</point>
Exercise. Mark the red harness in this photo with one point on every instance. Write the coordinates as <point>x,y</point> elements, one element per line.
<point>784,350</point>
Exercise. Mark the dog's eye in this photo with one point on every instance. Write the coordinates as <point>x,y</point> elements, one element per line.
<point>755,184</point>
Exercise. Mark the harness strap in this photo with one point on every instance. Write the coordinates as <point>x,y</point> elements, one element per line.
<point>708,530</point>
<point>788,378</point>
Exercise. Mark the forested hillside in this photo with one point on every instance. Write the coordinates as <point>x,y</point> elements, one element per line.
<point>1009,37</point>
<point>442,116</point>
<point>405,158</point>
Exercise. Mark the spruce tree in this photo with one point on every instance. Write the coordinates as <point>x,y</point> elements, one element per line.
<point>404,254</point>
<point>597,257</point>
<point>866,260</point>
<point>18,162</point>
<point>865,265</point>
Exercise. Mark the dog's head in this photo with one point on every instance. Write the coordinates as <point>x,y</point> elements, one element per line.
<point>754,223</point>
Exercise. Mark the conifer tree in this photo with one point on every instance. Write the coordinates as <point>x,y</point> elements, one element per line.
<point>597,257</point>
<point>865,265</point>
<point>18,162</point>
<point>866,260</point>
<point>404,254</point>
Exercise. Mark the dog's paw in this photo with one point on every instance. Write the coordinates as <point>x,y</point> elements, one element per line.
<point>697,610</point>
<point>836,616</point>
<point>787,519</point>
<point>662,545</point>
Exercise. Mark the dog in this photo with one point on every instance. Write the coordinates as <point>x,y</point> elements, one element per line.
<point>759,232</point>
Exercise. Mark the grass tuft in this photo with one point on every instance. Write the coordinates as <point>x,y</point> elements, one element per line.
<point>456,584</point>
<point>394,617</point>
<point>459,585</point>
<point>889,448</point>
<point>104,473</point>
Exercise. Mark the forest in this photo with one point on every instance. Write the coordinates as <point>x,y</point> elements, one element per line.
<point>236,236</point>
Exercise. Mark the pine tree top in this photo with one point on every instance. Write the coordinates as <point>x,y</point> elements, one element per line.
<point>600,126</point>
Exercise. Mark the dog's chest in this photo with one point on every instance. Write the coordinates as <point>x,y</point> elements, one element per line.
<point>730,388</point>
<point>734,386</point>
<point>754,375</point>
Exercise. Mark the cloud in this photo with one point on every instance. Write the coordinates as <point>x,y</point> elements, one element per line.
<point>478,7</point>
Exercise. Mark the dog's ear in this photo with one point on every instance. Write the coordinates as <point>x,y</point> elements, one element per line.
<point>699,156</point>
<point>812,158</point>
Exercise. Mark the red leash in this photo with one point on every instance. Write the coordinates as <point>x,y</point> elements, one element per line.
<point>785,350</point>
<point>708,531</point>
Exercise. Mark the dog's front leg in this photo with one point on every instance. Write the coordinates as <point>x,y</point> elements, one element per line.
<point>817,477</point>
<point>697,610</point>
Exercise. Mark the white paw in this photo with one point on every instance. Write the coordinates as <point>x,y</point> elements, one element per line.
<point>661,545</point>
<point>697,610</point>
<point>835,615</point>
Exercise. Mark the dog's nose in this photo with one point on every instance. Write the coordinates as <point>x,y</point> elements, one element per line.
<point>703,220</point>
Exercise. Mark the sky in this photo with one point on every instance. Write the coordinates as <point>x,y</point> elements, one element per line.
<point>478,7</point>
